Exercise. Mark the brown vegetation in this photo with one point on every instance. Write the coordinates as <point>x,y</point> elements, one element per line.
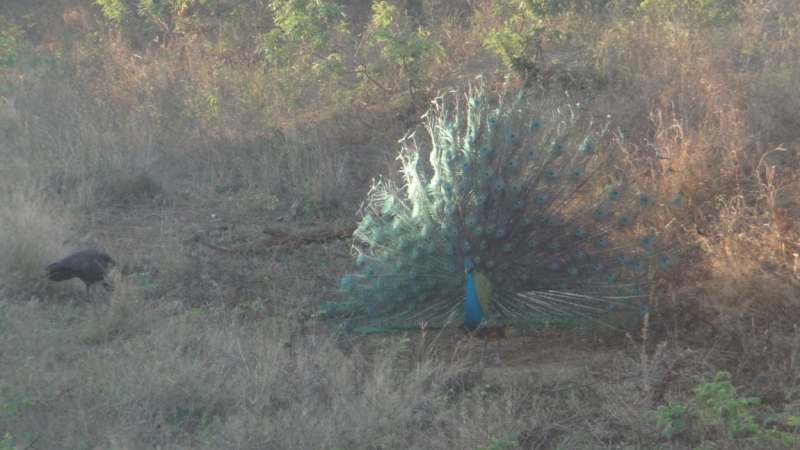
<point>133,134</point>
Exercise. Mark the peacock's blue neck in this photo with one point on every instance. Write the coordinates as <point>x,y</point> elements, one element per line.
<point>474,314</point>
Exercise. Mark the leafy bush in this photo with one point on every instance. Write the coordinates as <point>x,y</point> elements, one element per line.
<point>716,406</point>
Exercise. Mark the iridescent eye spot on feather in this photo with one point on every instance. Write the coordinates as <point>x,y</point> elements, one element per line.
<point>665,261</point>
<point>348,283</point>
<point>506,248</point>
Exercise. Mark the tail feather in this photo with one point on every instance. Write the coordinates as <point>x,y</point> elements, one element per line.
<point>538,201</point>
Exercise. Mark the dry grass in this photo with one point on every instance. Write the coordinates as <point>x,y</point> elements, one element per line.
<point>110,139</point>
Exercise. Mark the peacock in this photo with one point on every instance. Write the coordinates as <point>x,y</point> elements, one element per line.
<point>506,215</point>
<point>90,266</point>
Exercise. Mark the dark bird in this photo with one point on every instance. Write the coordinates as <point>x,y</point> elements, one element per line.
<point>91,266</point>
<point>505,215</point>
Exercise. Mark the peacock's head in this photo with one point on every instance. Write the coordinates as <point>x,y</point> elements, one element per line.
<point>468,266</point>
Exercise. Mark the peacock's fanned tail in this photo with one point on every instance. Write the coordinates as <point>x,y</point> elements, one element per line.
<point>536,201</point>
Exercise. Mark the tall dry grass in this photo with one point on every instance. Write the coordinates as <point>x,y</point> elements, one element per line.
<point>196,349</point>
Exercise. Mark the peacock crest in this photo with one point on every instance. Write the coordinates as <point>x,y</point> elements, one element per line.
<point>505,215</point>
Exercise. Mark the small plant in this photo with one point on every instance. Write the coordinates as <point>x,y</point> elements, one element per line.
<point>12,43</point>
<point>717,404</point>
<point>304,30</point>
<point>671,417</point>
<point>524,27</point>
<point>13,401</point>
<point>402,46</point>
<point>10,402</point>
<point>113,10</point>
<point>5,443</point>
<point>717,400</point>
